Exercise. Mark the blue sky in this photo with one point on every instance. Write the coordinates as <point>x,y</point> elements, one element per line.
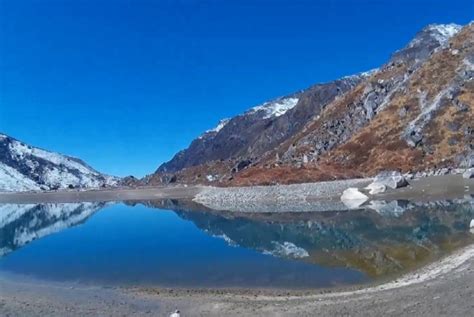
<point>125,84</point>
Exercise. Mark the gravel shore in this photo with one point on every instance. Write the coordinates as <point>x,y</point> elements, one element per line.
<point>280,198</point>
<point>324,196</point>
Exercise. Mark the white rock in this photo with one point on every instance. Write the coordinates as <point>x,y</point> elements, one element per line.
<point>353,198</point>
<point>471,225</point>
<point>391,179</point>
<point>376,188</point>
<point>469,173</point>
<point>175,314</point>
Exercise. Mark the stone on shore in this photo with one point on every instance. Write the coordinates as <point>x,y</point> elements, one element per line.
<point>353,198</point>
<point>391,179</point>
<point>468,174</point>
<point>376,188</point>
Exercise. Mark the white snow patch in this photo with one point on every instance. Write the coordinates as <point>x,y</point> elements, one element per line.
<point>363,74</point>
<point>21,150</point>
<point>443,32</point>
<point>276,108</point>
<point>222,123</point>
<point>12,180</point>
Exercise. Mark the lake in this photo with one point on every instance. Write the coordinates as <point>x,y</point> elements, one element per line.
<point>175,243</point>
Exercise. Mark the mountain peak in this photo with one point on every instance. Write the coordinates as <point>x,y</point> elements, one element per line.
<point>443,32</point>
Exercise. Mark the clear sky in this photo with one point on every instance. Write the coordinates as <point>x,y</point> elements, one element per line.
<point>125,84</point>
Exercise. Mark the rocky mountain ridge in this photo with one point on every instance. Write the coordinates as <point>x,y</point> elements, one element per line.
<point>414,113</point>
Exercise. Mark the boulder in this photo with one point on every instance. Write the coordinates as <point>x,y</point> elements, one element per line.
<point>376,188</point>
<point>469,173</point>
<point>390,179</point>
<point>353,198</point>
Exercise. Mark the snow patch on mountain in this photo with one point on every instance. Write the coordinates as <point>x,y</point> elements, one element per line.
<point>443,32</point>
<point>222,123</point>
<point>276,108</point>
<point>23,151</point>
<point>24,167</point>
<point>440,32</point>
<point>362,74</point>
<point>11,179</point>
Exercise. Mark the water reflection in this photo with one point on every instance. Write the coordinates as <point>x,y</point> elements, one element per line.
<point>384,239</point>
<point>23,223</point>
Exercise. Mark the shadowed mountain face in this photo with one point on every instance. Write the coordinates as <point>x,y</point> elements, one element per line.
<point>414,113</point>
<point>24,167</point>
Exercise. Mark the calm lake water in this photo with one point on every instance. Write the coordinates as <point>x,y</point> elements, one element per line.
<point>179,244</point>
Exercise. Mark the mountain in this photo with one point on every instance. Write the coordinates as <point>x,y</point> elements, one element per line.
<point>24,168</point>
<point>261,128</point>
<point>414,113</point>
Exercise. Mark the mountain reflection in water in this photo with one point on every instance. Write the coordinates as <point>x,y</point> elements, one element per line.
<point>380,241</point>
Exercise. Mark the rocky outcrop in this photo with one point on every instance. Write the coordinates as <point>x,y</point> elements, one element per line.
<point>390,179</point>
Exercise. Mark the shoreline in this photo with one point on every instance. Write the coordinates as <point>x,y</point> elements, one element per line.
<point>25,296</point>
<point>306,196</point>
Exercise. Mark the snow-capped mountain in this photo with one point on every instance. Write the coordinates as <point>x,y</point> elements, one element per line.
<point>260,128</point>
<point>27,168</point>
<point>413,113</point>
<point>275,108</point>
